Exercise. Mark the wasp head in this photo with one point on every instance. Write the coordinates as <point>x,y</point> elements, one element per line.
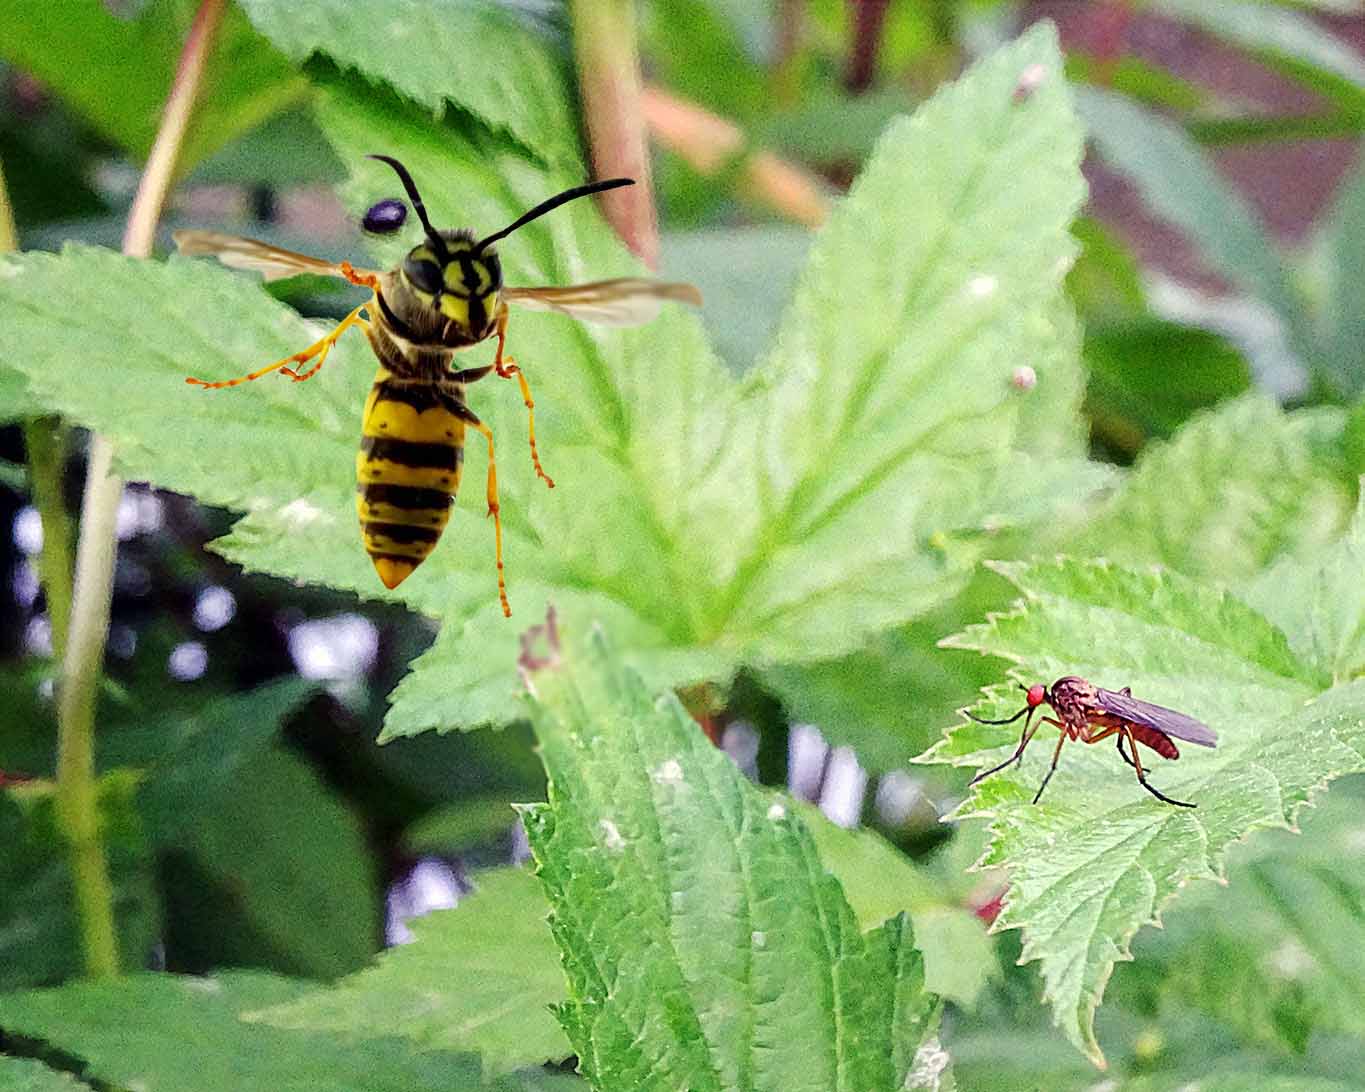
<point>458,276</point>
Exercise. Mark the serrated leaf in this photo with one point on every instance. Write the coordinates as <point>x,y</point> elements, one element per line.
<point>121,1030</point>
<point>480,977</point>
<point>696,925</point>
<point>1234,490</point>
<point>879,882</point>
<point>1286,936</point>
<point>852,473</point>
<point>1099,858</point>
<point>1319,602</point>
<point>424,51</point>
<point>126,66</point>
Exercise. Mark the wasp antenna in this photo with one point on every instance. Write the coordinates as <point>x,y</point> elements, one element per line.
<point>553,203</point>
<point>414,197</point>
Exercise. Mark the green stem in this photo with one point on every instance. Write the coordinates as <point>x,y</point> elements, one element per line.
<point>45,442</point>
<point>609,87</point>
<point>77,789</point>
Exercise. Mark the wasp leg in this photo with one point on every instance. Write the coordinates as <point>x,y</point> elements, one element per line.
<point>319,348</point>
<point>465,414</point>
<point>1142,776</point>
<point>506,368</point>
<point>1055,755</point>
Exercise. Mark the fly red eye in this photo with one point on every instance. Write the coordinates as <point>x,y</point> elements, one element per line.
<point>1037,694</point>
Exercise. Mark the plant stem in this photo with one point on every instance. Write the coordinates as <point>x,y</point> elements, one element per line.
<point>46,441</point>
<point>77,791</point>
<point>609,86</point>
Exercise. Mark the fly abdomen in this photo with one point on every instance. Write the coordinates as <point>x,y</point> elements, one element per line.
<point>407,474</point>
<point>1160,742</point>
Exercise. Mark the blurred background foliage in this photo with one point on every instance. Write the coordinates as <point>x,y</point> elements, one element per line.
<point>1221,286</point>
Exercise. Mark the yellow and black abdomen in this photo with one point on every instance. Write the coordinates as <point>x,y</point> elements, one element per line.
<point>407,473</point>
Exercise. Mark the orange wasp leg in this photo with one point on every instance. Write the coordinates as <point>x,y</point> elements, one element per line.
<point>319,348</point>
<point>468,417</point>
<point>1136,763</point>
<point>506,367</point>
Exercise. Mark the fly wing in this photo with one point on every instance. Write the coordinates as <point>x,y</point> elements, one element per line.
<point>239,252</point>
<point>626,301</point>
<point>1159,717</point>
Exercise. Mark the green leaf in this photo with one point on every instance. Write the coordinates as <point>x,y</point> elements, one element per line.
<point>1233,491</point>
<point>1179,184</point>
<point>277,863</point>
<point>879,882</point>
<point>1099,858</point>
<point>480,977</point>
<point>39,934</point>
<point>854,470</point>
<point>1343,238</point>
<point>122,1029</point>
<point>1147,377</point>
<point>28,1075</point>
<point>1289,41</point>
<point>116,72</point>
<point>1319,603</point>
<point>1286,936</point>
<point>477,56</point>
<point>696,924</point>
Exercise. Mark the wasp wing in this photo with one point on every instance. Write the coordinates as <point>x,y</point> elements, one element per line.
<point>626,301</point>
<point>1164,720</point>
<point>238,252</point>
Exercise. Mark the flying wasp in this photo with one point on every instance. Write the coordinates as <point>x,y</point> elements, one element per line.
<point>1090,713</point>
<point>446,295</point>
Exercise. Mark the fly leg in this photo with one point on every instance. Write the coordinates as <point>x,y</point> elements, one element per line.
<point>1055,755</point>
<point>506,367</point>
<point>1136,763</point>
<point>319,349</point>
<point>465,414</point>
<point>1024,737</point>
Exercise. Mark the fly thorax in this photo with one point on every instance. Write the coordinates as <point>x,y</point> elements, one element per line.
<point>1072,697</point>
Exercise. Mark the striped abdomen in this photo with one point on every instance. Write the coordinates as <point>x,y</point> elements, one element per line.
<point>407,473</point>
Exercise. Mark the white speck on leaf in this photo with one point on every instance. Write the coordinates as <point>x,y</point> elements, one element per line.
<point>669,773</point>
<point>759,939</point>
<point>926,1072</point>
<point>611,836</point>
<point>203,985</point>
<point>9,270</point>
<point>776,812</point>
<point>1291,960</point>
<point>983,285</point>
<point>1024,378</point>
<point>300,513</point>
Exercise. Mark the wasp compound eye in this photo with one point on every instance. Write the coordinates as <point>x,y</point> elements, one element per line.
<point>385,217</point>
<point>424,275</point>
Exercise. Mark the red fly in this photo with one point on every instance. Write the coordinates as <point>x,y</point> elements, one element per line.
<point>1090,713</point>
